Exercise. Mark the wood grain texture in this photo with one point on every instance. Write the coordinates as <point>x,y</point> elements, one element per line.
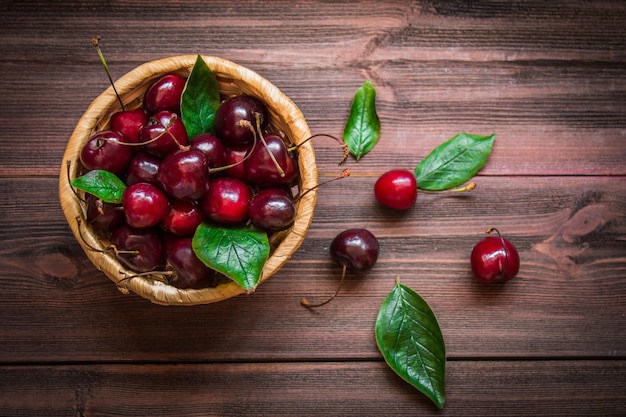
<point>569,232</point>
<point>548,78</point>
<point>550,388</point>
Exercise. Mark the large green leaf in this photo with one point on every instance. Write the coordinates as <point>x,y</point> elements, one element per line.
<point>103,184</point>
<point>200,100</point>
<point>453,162</point>
<point>238,253</point>
<point>362,130</point>
<point>409,337</point>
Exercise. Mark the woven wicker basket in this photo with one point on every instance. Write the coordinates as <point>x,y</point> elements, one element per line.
<point>233,79</point>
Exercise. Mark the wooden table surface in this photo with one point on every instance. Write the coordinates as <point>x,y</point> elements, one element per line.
<point>548,78</point>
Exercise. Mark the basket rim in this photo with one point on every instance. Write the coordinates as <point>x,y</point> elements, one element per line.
<point>107,102</point>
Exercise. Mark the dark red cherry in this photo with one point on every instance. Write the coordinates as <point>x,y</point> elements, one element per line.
<point>396,189</point>
<point>145,205</point>
<point>183,174</point>
<point>128,123</point>
<point>263,170</point>
<point>165,94</point>
<point>234,157</point>
<point>164,134</point>
<point>188,271</point>
<point>494,259</point>
<point>272,209</point>
<point>140,250</point>
<point>105,150</point>
<point>356,248</point>
<point>212,147</point>
<point>183,218</point>
<point>143,168</point>
<point>103,217</point>
<point>227,201</point>
<point>235,118</point>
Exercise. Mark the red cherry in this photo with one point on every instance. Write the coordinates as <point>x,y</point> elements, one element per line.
<point>227,201</point>
<point>105,150</point>
<point>494,259</point>
<point>163,134</point>
<point>188,271</point>
<point>141,250</point>
<point>145,205</point>
<point>183,218</point>
<point>128,123</point>
<point>183,174</point>
<point>143,168</point>
<point>261,167</point>
<point>165,94</point>
<point>396,189</point>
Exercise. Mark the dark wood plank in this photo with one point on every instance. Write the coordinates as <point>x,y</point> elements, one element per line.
<point>529,388</point>
<point>553,93</point>
<point>566,302</point>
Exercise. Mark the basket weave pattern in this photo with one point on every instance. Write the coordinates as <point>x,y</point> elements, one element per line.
<point>233,79</point>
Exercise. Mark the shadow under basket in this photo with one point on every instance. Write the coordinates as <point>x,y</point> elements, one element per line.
<point>233,79</point>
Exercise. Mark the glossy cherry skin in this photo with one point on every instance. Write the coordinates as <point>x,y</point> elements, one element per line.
<point>143,168</point>
<point>493,262</point>
<point>164,134</point>
<point>227,201</point>
<point>105,150</point>
<point>103,217</point>
<point>236,116</point>
<point>396,189</point>
<point>212,148</point>
<point>146,243</point>
<point>183,174</point>
<point>183,218</point>
<point>188,270</point>
<point>260,168</point>
<point>165,94</point>
<point>356,248</point>
<point>145,205</point>
<point>128,123</point>
<point>272,210</point>
<point>234,157</point>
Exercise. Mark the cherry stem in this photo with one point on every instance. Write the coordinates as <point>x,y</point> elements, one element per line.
<point>506,253</point>
<point>344,147</point>
<point>229,166</point>
<point>280,170</point>
<point>345,173</point>
<point>308,304</point>
<point>95,41</point>
<point>145,274</point>
<point>466,188</point>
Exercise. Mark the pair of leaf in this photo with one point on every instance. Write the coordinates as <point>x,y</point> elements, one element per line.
<point>238,253</point>
<point>410,340</point>
<point>449,165</point>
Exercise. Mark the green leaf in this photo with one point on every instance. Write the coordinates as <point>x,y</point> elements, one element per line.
<point>103,184</point>
<point>200,100</point>
<point>238,253</point>
<point>409,337</point>
<point>454,162</point>
<point>362,130</point>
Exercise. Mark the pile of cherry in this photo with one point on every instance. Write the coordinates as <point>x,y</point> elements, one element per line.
<point>241,174</point>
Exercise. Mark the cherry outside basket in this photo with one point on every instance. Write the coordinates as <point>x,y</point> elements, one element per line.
<point>233,79</point>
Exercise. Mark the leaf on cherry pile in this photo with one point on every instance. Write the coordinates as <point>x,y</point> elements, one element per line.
<point>102,184</point>
<point>409,337</point>
<point>200,100</point>
<point>362,130</point>
<point>454,162</point>
<point>238,253</point>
